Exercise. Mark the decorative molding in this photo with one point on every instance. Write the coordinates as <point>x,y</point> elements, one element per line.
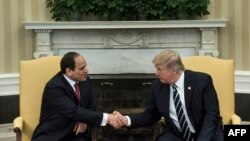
<point>124,38</point>
<point>242,82</point>
<point>198,35</point>
<point>6,132</point>
<point>9,83</point>
<point>6,128</point>
<point>43,43</point>
<point>209,42</point>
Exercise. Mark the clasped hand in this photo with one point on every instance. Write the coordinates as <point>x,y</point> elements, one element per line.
<point>116,120</point>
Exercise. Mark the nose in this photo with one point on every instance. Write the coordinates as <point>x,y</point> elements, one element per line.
<point>86,70</point>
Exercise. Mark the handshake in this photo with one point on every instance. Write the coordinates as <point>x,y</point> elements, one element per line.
<point>116,120</point>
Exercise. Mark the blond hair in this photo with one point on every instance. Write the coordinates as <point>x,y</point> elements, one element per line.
<point>171,59</point>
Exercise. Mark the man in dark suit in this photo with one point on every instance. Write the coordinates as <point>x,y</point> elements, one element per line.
<point>198,99</point>
<point>66,116</point>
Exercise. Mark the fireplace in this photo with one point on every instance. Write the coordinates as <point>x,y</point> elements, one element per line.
<point>117,47</point>
<point>126,93</point>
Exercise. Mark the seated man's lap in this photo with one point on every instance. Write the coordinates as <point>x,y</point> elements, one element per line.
<point>168,137</point>
<point>73,137</point>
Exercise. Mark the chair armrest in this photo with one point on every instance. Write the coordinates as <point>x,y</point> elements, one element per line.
<point>18,123</point>
<point>235,119</point>
<point>18,127</point>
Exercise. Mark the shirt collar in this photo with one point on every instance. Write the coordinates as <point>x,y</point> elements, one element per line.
<point>71,82</point>
<point>180,82</point>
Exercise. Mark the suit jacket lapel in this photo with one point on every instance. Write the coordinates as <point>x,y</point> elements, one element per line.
<point>188,89</point>
<point>68,88</point>
<point>164,98</point>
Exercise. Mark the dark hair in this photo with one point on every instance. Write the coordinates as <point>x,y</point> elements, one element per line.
<point>68,61</point>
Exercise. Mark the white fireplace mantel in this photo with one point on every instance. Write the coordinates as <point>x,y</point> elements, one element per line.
<point>126,24</point>
<point>125,41</point>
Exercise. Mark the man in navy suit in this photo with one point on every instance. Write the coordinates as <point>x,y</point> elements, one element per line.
<point>64,116</point>
<point>198,99</point>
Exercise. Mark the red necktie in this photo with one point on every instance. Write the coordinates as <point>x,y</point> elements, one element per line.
<point>77,91</point>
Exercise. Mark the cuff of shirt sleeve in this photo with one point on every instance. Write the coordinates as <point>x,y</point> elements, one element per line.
<point>129,121</point>
<point>104,119</point>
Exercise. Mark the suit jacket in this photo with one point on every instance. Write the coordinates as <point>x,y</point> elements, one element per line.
<point>60,109</point>
<point>201,104</point>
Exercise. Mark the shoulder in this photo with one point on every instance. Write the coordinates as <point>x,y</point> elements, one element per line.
<point>197,76</point>
<point>57,79</point>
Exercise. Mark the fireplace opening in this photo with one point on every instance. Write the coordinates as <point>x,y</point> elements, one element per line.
<point>127,94</point>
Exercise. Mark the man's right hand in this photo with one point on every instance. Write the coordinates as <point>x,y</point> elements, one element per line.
<point>117,120</point>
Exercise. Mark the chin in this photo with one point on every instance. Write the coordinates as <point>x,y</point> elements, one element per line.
<point>84,78</point>
<point>163,81</point>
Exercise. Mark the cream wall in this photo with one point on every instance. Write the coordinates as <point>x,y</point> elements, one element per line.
<point>17,44</point>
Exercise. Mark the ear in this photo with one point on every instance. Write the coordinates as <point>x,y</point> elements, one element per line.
<point>68,71</point>
<point>175,71</point>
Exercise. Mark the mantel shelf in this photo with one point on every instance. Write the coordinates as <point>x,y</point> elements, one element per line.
<point>125,24</point>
